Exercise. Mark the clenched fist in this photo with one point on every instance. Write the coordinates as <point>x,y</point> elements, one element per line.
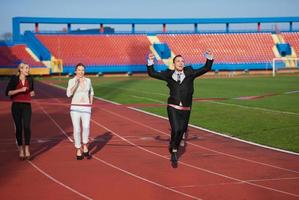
<point>151,56</point>
<point>150,59</point>
<point>209,55</point>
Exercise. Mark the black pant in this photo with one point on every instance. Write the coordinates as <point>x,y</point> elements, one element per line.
<point>178,120</point>
<point>21,113</point>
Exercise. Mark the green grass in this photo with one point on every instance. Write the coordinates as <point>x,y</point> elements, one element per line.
<point>272,121</point>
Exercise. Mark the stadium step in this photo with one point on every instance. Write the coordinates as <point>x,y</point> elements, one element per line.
<point>155,40</point>
<point>279,39</point>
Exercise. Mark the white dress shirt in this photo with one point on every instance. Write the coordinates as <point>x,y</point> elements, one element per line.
<point>176,75</point>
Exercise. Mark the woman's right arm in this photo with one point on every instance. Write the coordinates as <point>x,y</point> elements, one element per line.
<point>13,92</point>
<point>71,87</point>
<point>10,89</point>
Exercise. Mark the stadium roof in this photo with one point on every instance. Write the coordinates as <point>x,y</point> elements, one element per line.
<point>46,20</point>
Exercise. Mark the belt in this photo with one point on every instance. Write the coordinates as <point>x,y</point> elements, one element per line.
<point>179,107</point>
<point>85,105</point>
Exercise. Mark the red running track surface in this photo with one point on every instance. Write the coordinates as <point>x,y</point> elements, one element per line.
<point>131,160</point>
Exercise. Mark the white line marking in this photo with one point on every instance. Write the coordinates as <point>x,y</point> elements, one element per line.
<point>231,183</point>
<point>195,167</point>
<point>223,135</point>
<point>220,134</point>
<point>105,100</point>
<point>144,179</point>
<point>255,108</point>
<point>189,165</point>
<point>49,176</point>
<point>70,139</point>
<point>159,131</point>
<point>197,127</point>
<point>273,179</point>
<point>292,92</point>
<point>55,180</point>
<point>125,171</point>
<point>58,182</point>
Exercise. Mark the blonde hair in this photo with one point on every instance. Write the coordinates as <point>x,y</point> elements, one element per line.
<point>20,66</point>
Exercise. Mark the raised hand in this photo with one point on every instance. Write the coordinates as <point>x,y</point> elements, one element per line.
<point>77,81</point>
<point>150,59</point>
<point>209,54</point>
<point>151,56</point>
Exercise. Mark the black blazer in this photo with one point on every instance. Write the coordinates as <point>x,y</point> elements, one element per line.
<point>180,92</point>
<point>13,82</point>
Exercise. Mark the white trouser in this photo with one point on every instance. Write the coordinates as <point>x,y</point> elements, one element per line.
<point>79,113</point>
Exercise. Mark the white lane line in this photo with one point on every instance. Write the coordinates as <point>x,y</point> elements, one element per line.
<point>216,102</point>
<point>292,92</point>
<point>58,182</point>
<point>144,179</point>
<point>234,183</point>
<point>195,167</point>
<point>273,179</point>
<point>226,136</point>
<point>219,152</point>
<point>108,101</point>
<point>255,108</point>
<point>51,177</point>
<point>46,113</point>
<point>222,153</point>
<point>125,171</point>
<point>197,127</point>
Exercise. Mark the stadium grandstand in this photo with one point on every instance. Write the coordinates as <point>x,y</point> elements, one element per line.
<point>106,50</point>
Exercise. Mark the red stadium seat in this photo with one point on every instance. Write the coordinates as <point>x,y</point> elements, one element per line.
<point>228,48</point>
<point>98,49</point>
<point>11,56</point>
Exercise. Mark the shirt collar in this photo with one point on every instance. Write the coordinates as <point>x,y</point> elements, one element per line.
<point>179,72</point>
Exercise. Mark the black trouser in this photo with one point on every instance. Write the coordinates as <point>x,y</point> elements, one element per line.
<point>178,120</point>
<point>21,113</point>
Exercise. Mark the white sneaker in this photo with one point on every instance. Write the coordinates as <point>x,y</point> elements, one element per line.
<point>184,136</point>
<point>182,143</point>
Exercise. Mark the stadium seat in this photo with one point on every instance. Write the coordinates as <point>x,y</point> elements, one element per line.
<point>228,48</point>
<point>12,55</point>
<point>98,49</point>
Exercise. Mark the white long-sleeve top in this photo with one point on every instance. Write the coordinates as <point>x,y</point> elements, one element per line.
<point>82,94</point>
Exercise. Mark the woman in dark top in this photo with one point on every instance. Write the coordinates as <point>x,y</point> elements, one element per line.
<point>20,90</point>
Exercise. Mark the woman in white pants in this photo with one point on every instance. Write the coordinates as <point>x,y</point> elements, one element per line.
<point>81,91</point>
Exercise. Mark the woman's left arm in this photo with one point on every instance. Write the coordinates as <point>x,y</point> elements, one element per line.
<point>31,86</point>
<point>91,93</point>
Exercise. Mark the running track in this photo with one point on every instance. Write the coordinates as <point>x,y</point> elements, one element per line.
<point>131,160</point>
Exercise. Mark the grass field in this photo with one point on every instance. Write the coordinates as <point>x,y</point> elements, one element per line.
<point>271,120</point>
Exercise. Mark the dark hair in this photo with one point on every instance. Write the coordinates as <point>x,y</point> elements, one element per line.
<point>177,56</point>
<point>79,64</point>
